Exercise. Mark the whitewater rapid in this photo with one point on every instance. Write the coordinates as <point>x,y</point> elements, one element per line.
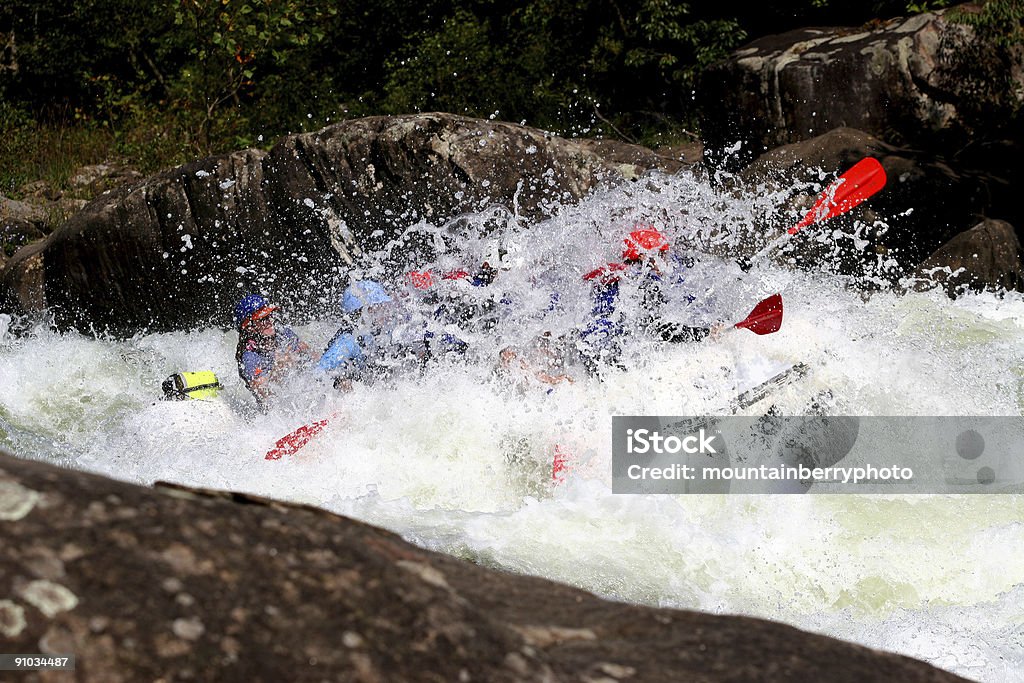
<point>459,459</point>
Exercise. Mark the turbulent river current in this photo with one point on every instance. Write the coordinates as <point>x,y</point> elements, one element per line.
<point>458,458</point>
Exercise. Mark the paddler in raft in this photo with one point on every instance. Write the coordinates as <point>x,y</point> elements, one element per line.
<point>267,351</point>
<point>380,339</point>
<point>648,267</point>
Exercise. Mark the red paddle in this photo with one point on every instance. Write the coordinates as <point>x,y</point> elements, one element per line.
<point>864,179</point>
<point>290,444</point>
<point>560,465</point>
<point>766,316</point>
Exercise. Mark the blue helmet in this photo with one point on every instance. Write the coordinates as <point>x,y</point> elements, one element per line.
<point>252,307</point>
<point>363,293</point>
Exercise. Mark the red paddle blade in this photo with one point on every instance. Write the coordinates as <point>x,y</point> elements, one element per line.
<point>766,316</point>
<point>290,444</point>
<point>865,178</point>
<point>559,465</point>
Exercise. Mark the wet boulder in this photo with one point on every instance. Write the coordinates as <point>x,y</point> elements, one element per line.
<point>169,248</point>
<point>176,250</point>
<point>927,80</point>
<point>945,88</point>
<point>184,584</point>
<point>20,223</point>
<point>986,257</point>
<point>94,179</point>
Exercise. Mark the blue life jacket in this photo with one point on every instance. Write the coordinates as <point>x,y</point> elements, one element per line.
<point>344,352</point>
<point>253,361</point>
<point>606,287</point>
<point>362,354</point>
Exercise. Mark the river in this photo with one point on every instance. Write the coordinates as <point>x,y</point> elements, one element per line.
<point>459,459</point>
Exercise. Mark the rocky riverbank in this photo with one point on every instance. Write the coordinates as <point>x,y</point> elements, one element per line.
<point>180,584</point>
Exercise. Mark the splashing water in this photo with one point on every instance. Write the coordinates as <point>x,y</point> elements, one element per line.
<point>458,459</point>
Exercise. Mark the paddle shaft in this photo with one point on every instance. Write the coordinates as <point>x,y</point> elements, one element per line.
<point>745,399</point>
<point>768,249</point>
<point>860,182</point>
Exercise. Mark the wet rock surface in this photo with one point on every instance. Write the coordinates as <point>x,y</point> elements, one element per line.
<point>934,100</point>
<point>986,257</point>
<point>912,80</point>
<point>174,250</point>
<point>179,584</point>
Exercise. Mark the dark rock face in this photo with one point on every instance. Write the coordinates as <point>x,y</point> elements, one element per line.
<point>176,250</point>
<point>945,96</point>
<point>179,584</point>
<point>20,224</point>
<point>986,257</point>
<point>146,254</point>
<point>909,80</point>
<point>385,173</point>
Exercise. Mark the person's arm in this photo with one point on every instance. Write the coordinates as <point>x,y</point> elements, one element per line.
<point>297,350</point>
<point>509,358</point>
<point>256,375</point>
<point>548,378</point>
<point>343,359</point>
<point>260,387</point>
<point>676,333</point>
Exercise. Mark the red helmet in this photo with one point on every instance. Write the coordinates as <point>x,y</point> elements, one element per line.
<point>643,239</point>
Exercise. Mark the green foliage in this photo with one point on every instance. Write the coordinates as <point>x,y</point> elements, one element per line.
<point>31,151</point>
<point>987,87</point>
<point>925,6</point>
<point>159,83</point>
<point>457,68</point>
<point>230,43</point>
<point>678,47</point>
<point>575,66</point>
<point>999,23</point>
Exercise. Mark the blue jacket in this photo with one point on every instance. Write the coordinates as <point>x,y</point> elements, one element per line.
<point>253,361</point>
<point>366,355</point>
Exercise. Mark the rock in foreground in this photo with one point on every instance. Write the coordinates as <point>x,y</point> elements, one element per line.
<point>175,584</point>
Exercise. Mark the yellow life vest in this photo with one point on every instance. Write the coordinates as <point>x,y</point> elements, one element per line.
<point>192,385</point>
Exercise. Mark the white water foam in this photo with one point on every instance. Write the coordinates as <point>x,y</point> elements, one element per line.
<point>459,459</point>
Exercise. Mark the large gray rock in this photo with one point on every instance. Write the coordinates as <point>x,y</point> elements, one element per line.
<point>146,255</point>
<point>929,83</point>
<point>371,178</point>
<point>96,178</point>
<point>175,250</point>
<point>910,80</point>
<point>15,210</point>
<point>177,584</point>
<point>20,223</point>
